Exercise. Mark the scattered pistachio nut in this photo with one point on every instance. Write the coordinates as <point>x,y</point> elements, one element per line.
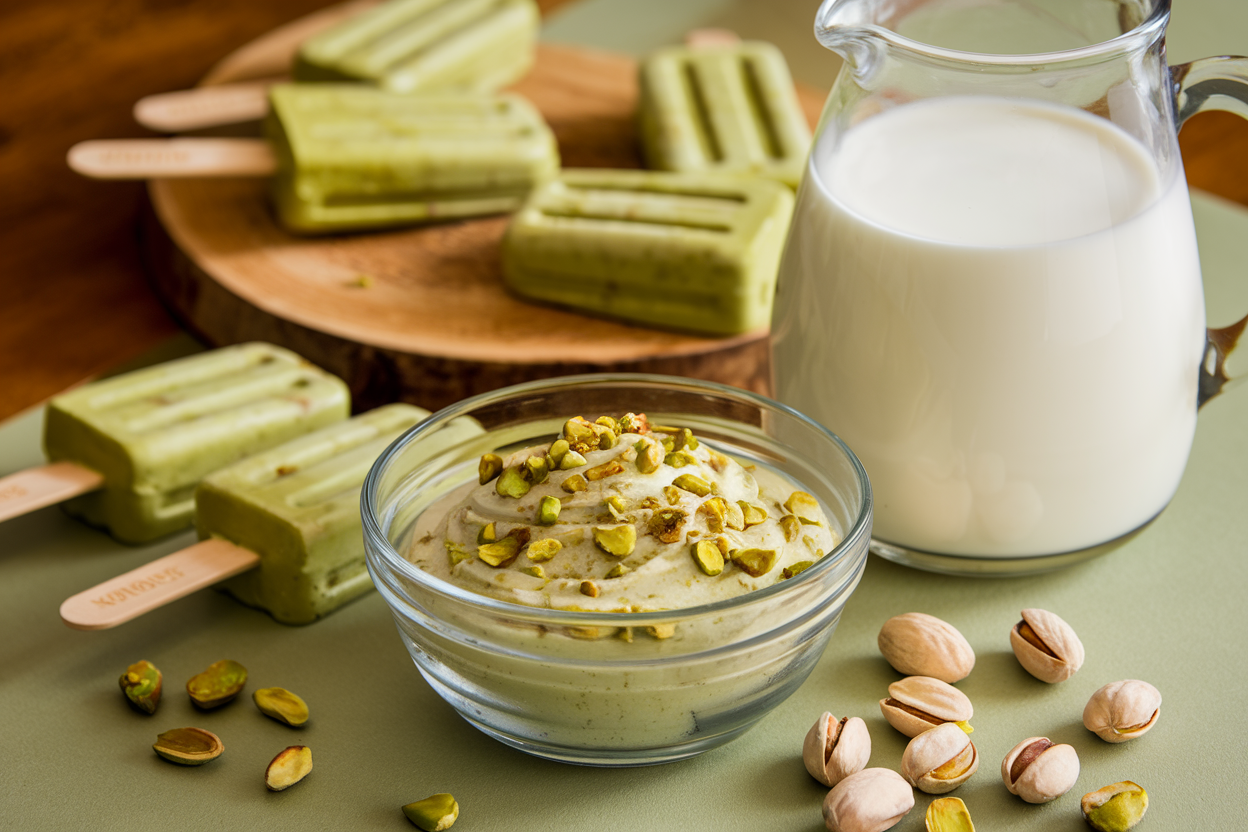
<point>919,703</point>
<point>1046,646</point>
<point>557,451</point>
<point>796,568</point>
<point>574,483</point>
<point>571,460</point>
<point>1122,711</point>
<point>589,588</point>
<point>693,484</point>
<point>939,760</point>
<point>649,455</point>
<point>490,466</point>
<point>1039,771</point>
<point>680,459</point>
<point>548,509</point>
<point>534,571</point>
<point>835,749</point>
<point>948,814</point>
<point>918,644</point>
<point>634,423</point>
<point>282,705</point>
<point>503,551</point>
<point>433,814</point>
<point>220,683</point>
<point>751,515</point>
<point>141,683</point>
<point>289,767</point>
<point>755,562</point>
<point>805,508</point>
<point>511,483</point>
<point>188,746</point>
<point>536,470</point>
<point>791,527</point>
<point>616,540</point>
<point>1115,808</point>
<point>870,800</point>
<point>540,551</point>
<point>708,557</point>
<point>618,571</point>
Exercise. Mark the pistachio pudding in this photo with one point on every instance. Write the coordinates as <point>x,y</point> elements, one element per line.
<point>633,589</point>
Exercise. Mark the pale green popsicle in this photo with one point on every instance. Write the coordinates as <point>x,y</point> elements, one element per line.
<point>354,157</point>
<point>730,108</point>
<point>298,507</point>
<point>154,433</point>
<point>427,46</point>
<point>695,252</point>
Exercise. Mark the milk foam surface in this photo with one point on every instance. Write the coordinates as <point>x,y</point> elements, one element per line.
<point>997,304</point>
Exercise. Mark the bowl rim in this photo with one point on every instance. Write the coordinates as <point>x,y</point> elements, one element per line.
<point>856,538</point>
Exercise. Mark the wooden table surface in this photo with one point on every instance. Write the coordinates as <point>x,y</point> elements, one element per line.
<point>73,297</point>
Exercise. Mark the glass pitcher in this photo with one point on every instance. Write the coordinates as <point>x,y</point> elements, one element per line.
<point>991,287</point>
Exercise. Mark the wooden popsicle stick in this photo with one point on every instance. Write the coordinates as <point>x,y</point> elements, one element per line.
<point>35,488</point>
<point>166,579</point>
<point>175,112</point>
<point>172,158</point>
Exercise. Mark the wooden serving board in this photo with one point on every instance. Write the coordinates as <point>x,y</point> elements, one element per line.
<point>420,314</point>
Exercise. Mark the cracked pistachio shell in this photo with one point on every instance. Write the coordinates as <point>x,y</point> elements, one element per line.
<point>1115,808</point>
<point>1039,771</point>
<point>835,749</point>
<point>948,814</point>
<point>919,703</point>
<point>188,746</point>
<point>282,705</point>
<point>1122,711</point>
<point>289,767</point>
<point>433,814</point>
<point>918,644</point>
<point>220,683</point>
<point>939,760</point>
<point>870,800</point>
<point>141,683</point>
<point>1046,646</point>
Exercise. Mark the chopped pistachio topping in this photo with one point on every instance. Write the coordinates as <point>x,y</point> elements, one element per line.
<point>795,568</point>
<point>548,511</point>
<point>684,438</point>
<point>650,503</point>
<point>755,562</point>
<point>734,518</point>
<point>488,533</point>
<point>616,540</point>
<point>433,814</point>
<point>536,469</point>
<point>712,511</point>
<point>751,515</point>
<point>679,459</point>
<point>511,483</point>
<point>609,423</point>
<point>589,588</point>
<point>571,460</point>
<point>634,423</point>
<point>491,466</point>
<point>558,450</point>
<point>540,551</point>
<point>456,553</point>
<point>791,527</point>
<point>708,557</point>
<point>649,455</point>
<point>693,484</point>
<point>672,494</point>
<point>535,571</point>
<point>665,524</point>
<point>504,550</point>
<point>574,483</point>
<point>805,507</point>
<point>607,469</point>
<point>618,571</point>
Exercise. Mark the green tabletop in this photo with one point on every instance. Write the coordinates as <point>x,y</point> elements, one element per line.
<point>1166,608</point>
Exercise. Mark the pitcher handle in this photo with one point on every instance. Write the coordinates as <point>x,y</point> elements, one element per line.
<point>1214,84</point>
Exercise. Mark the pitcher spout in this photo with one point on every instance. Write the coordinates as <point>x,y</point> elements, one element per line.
<point>850,29</point>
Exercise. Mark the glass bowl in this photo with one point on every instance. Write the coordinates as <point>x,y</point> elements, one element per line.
<point>614,688</point>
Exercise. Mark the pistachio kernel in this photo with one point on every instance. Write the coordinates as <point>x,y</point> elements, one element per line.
<point>805,508</point>
<point>693,484</point>
<point>649,455</point>
<point>1115,808</point>
<point>607,469</point>
<point>188,746</point>
<point>948,814</point>
<point>618,571</point>
<point>572,460</point>
<point>141,683</point>
<point>734,517</point>
<point>684,439</point>
<point>282,705</point>
<point>665,524</point>
<point>488,533</point>
<point>650,504</point>
<point>589,588</point>
<point>713,512</point>
<point>540,551</point>
<point>708,557</point>
<point>755,562</point>
<point>490,466</point>
<point>607,438</point>
<point>679,459</point>
<point>574,483</point>
<point>672,494</point>
<point>548,511</point>
<point>558,450</point>
<point>536,470</point>
<point>289,767</point>
<point>751,514</point>
<point>616,540</point>
<point>433,814</point>
<point>791,527</point>
<point>505,550</point>
<point>616,505</point>
<point>220,683</point>
<point>456,553</point>
<point>511,483</point>
<point>535,571</point>
<point>580,435</point>
<point>796,568</point>
<point>609,423</point>
<point>634,423</point>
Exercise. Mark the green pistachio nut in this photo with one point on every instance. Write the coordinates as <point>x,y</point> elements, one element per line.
<point>491,466</point>
<point>751,514</point>
<point>572,460</point>
<point>548,511</point>
<point>433,814</point>
<point>1115,808</point>
<point>505,550</point>
<point>693,484</point>
<point>607,469</point>
<point>683,439</point>
<point>456,553</point>
<point>679,459</point>
<point>141,684</point>
<point>512,483</point>
<point>488,533</point>
<point>609,423</point>
<point>672,494</point>
<point>574,483</point>
<point>580,434</point>
<point>558,450</point>
<point>535,571</point>
<point>805,507</point>
<point>791,526</point>
<point>734,517</point>
<point>607,438</point>
<point>649,455</point>
<point>289,767</point>
<point>220,683</point>
<point>948,814</point>
<point>712,512</point>
<point>618,571</point>
<point>755,562</point>
<point>536,470</point>
<point>634,423</point>
<point>540,551</point>
<point>188,746</point>
<point>282,705</point>
<point>708,557</point>
<point>589,589</point>
<point>665,524</point>
<point>796,568</point>
<point>616,505</point>
<point>616,540</point>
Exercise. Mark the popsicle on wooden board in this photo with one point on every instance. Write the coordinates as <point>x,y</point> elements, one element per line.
<point>284,526</point>
<point>127,452</point>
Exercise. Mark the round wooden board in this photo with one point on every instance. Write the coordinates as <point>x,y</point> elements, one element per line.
<point>421,314</point>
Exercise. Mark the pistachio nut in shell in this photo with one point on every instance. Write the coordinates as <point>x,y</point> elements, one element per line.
<point>919,703</point>
<point>282,705</point>
<point>1115,808</point>
<point>918,644</point>
<point>141,684</point>
<point>939,760</point>
<point>1122,711</point>
<point>188,746</point>
<point>835,749</point>
<point>1046,646</point>
<point>433,814</point>
<point>1039,771</point>
<point>220,683</point>
<point>870,800</point>
<point>289,767</point>
<point>948,814</point>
